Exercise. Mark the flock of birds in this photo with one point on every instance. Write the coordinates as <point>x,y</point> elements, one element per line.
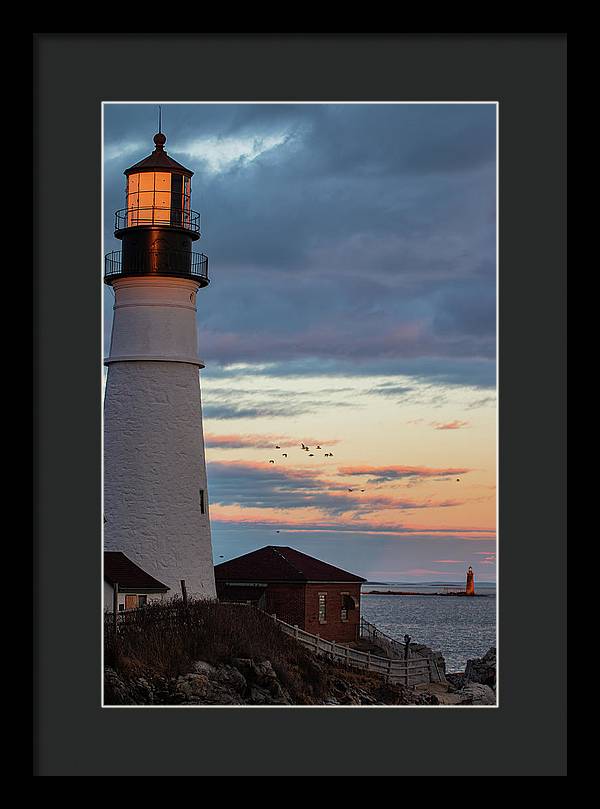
<point>306,449</point>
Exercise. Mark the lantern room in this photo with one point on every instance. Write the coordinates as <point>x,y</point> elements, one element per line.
<point>158,191</point>
<point>157,225</point>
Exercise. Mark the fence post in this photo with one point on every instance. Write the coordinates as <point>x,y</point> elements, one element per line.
<point>347,655</point>
<point>333,649</point>
<point>317,643</point>
<point>389,671</point>
<point>184,592</point>
<point>368,661</point>
<point>274,616</point>
<point>296,631</point>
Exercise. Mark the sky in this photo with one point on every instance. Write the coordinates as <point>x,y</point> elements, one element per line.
<point>352,306</point>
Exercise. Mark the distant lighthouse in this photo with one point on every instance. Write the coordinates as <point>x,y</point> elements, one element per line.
<point>470,588</point>
<point>155,491</point>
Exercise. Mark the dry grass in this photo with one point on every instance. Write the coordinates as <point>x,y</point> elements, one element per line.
<point>165,639</point>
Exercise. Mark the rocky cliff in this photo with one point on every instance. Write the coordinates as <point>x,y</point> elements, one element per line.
<point>245,681</point>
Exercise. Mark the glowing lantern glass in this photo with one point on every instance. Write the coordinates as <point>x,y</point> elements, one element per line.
<point>158,198</point>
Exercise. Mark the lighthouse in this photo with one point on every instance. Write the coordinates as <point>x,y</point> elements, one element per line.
<point>470,588</point>
<point>155,490</point>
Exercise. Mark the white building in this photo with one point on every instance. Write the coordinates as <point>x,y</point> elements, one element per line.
<point>135,587</point>
<point>155,490</point>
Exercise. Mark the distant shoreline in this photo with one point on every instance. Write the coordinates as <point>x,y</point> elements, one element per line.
<point>409,593</point>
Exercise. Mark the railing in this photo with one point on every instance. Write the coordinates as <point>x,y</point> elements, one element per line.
<point>395,647</point>
<point>153,215</point>
<point>411,671</point>
<point>407,671</point>
<point>371,632</point>
<point>177,263</point>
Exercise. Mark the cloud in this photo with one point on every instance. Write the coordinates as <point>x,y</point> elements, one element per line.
<point>243,441</point>
<point>449,425</point>
<point>381,474</point>
<point>449,561</point>
<point>219,153</point>
<point>261,485</point>
<point>338,235</point>
<point>343,525</point>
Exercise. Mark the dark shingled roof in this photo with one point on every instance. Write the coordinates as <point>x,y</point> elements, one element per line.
<point>119,569</point>
<point>278,563</point>
<point>157,161</point>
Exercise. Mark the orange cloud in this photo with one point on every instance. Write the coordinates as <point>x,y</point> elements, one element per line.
<point>259,441</point>
<point>449,425</point>
<point>311,520</point>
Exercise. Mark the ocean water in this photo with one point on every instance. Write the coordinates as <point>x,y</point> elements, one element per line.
<point>460,628</point>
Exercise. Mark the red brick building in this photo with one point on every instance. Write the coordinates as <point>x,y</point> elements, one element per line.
<point>298,588</point>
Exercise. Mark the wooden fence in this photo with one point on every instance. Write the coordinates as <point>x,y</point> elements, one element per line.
<point>411,671</point>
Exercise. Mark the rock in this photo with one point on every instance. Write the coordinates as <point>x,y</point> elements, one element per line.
<point>192,686</point>
<point>262,696</point>
<point>483,669</point>
<point>476,694</point>
<point>231,677</point>
<point>456,680</point>
<point>265,673</point>
<point>118,691</point>
<point>198,689</point>
<point>243,664</point>
<point>201,667</point>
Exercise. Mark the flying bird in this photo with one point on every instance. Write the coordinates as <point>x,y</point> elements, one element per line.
<point>350,490</point>
<point>271,461</point>
<point>310,455</point>
<point>276,532</point>
<point>284,454</point>
<point>458,480</point>
<point>318,447</point>
<point>277,446</point>
<point>303,447</point>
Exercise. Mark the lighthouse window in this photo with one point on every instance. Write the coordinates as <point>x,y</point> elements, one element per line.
<point>158,196</point>
<point>176,199</point>
<point>202,504</point>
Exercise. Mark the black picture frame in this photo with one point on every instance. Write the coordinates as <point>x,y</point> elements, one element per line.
<point>73,74</point>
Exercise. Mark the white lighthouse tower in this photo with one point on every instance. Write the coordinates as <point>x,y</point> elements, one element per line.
<point>155,492</point>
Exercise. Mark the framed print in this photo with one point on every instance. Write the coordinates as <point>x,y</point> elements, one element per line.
<point>290,390</point>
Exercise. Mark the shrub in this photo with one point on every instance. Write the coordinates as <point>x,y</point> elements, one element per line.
<point>164,639</point>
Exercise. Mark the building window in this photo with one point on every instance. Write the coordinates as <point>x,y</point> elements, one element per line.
<point>322,608</point>
<point>121,607</point>
<point>344,608</point>
<point>202,502</point>
<point>142,600</point>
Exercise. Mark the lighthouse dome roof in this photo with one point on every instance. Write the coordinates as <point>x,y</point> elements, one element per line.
<point>158,160</point>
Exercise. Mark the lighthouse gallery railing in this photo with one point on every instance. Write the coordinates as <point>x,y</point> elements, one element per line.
<point>170,262</point>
